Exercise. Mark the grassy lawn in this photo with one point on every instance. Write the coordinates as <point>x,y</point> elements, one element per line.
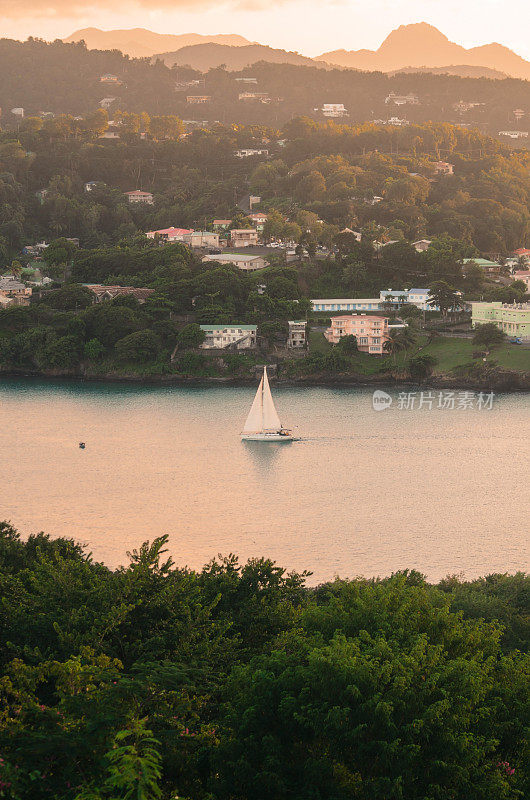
<point>449,353</point>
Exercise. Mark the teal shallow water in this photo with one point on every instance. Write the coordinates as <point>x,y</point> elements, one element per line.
<point>363,493</point>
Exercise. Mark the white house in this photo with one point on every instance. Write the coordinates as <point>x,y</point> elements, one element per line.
<point>232,335</point>
<point>248,152</point>
<point>138,196</point>
<point>334,110</point>
<point>201,239</point>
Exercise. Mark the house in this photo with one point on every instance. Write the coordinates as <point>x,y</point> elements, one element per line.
<point>362,304</point>
<point>112,132</point>
<point>513,319</point>
<point>247,80</point>
<point>248,152</point>
<point>90,185</point>
<point>371,332</point>
<point>514,134</point>
<point>257,97</point>
<point>169,234</point>
<point>14,292</point>
<point>489,267</point>
<point>201,239</point>
<point>221,224</point>
<point>41,195</point>
<point>422,245</point>
<point>17,112</point>
<point>109,79</point>
<point>102,293</point>
<point>106,102</point>
<point>522,255</point>
<point>181,86</point>
<point>246,263</point>
<point>139,196</point>
<point>229,336</point>
<point>463,106</point>
<point>524,276</point>
<point>402,99</point>
<point>334,110</point>
<point>397,122</point>
<point>443,168</point>
<point>297,336</point>
<point>198,99</point>
<point>258,219</point>
<point>245,237</point>
<point>415,297</point>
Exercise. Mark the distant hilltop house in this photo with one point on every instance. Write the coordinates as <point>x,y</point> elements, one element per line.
<point>246,263</point>
<point>512,318</point>
<point>17,112</point>
<point>248,80</point>
<point>221,224</point>
<point>107,78</point>
<point>463,106</point>
<point>257,97</point>
<point>198,99</point>
<point>514,134</point>
<point>258,219</point>
<point>112,131</point>
<point>396,122</point>
<point>402,99</point>
<point>181,86</point>
<point>247,152</point>
<point>443,168</point>
<point>522,254</point>
<point>201,239</point>
<point>334,110</point>
<point>243,237</point>
<point>91,185</point>
<point>139,196</point>
<point>169,234</point>
<point>13,292</point>
<point>230,336</point>
<point>422,245</point>
<point>489,267</point>
<point>106,102</point>
<point>518,113</point>
<point>102,293</point>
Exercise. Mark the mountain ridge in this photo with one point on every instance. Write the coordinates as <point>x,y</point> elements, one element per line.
<point>210,55</point>
<point>423,45</point>
<point>143,43</point>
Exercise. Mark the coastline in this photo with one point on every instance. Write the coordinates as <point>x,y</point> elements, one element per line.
<point>506,381</point>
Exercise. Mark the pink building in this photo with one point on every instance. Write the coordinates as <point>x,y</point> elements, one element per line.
<point>371,332</point>
<point>169,234</point>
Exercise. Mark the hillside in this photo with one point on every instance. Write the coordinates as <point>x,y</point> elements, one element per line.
<point>141,43</point>
<point>459,70</point>
<point>207,56</point>
<point>421,45</point>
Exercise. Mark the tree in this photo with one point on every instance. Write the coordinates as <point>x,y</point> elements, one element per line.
<point>190,336</point>
<point>347,345</point>
<point>488,335</point>
<point>444,296</point>
<point>398,341</point>
<point>139,346</point>
<point>93,349</point>
<point>421,367</point>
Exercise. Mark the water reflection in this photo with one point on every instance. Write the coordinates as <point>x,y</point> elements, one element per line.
<point>264,455</point>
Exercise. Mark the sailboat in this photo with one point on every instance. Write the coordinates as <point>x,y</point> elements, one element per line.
<point>263,423</point>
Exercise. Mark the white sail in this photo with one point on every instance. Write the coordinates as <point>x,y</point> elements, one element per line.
<point>271,420</point>
<point>254,423</point>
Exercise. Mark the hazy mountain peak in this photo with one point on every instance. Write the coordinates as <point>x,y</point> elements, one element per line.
<point>140,42</point>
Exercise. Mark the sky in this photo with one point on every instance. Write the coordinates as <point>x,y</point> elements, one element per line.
<point>310,27</point>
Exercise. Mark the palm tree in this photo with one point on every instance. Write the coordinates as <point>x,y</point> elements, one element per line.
<point>399,341</point>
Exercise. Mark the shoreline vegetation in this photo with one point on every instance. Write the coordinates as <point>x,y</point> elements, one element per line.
<point>241,682</point>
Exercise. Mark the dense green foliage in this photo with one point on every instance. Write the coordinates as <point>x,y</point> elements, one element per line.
<point>65,78</point>
<point>239,682</point>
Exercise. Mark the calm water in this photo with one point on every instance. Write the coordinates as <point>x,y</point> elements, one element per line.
<point>364,493</point>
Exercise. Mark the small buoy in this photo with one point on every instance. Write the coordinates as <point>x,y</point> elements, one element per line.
<point>82,445</point>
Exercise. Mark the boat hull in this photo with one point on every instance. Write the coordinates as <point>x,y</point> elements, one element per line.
<point>267,437</point>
